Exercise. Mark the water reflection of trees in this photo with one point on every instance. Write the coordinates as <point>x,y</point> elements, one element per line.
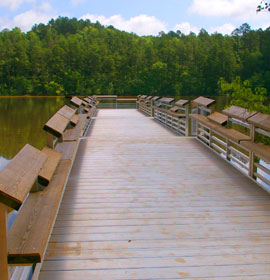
<point>22,120</point>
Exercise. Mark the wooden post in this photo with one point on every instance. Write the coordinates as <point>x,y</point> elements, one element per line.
<point>251,154</point>
<point>187,119</point>
<point>50,140</point>
<point>227,149</point>
<point>4,272</point>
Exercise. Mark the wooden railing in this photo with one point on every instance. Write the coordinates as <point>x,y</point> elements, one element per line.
<point>173,115</point>
<point>33,183</point>
<point>231,134</point>
<point>238,145</point>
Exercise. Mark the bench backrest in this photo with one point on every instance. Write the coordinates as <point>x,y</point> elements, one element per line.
<point>76,101</point>
<point>56,125</point>
<point>18,177</point>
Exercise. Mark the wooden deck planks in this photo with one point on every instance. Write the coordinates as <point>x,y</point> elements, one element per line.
<point>144,203</point>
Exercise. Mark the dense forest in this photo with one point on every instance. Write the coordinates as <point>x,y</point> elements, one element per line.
<point>70,56</point>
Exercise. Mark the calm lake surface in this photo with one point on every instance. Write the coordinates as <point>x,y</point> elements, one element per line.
<point>22,120</point>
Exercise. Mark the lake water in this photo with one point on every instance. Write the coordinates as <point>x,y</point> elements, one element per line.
<point>22,120</point>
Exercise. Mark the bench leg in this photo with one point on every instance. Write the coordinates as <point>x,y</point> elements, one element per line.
<point>4,273</point>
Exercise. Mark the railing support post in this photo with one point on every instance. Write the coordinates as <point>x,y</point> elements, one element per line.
<point>251,154</point>
<point>187,119</point>
<point>4,272</point>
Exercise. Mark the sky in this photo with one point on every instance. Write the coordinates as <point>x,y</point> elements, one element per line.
<point>143,17</point>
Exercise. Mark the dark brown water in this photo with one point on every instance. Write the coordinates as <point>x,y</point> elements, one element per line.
<point>21,122</point>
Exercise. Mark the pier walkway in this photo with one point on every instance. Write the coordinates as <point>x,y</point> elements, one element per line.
<point>142,202</point>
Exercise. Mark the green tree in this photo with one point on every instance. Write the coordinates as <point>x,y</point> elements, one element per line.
<point>243,95</point>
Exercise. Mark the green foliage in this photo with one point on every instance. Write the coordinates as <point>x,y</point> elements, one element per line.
<point>243,95</point>
<point>54,89</point>
<point>78,57</point>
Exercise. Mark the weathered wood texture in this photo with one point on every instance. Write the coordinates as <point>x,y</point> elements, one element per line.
<point>218,118</point>
<point>232,134</point>
<point>261,150</point>
<point>56,125</point>
<point>260,120</point>
<point>74,120</point>
<point>76,101</point>
<point>74,133</point>
<point>17,178</point>
<point>144,203</point>
<point>166,100</point>
<point>238,112</point>
<point>36,216</point>
<point>204,101</point>
<point>182,102</point>
<point>67,112</point>
<point>46,173</point>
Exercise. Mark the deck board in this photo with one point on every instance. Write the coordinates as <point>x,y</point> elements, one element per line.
<point>144,203</point>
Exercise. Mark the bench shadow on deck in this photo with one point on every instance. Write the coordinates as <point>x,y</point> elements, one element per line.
<point>144,203</point>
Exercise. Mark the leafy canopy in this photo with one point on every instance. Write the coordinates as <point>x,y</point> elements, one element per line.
<point>243,95</point>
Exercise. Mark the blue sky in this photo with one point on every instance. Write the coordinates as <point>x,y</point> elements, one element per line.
<point>144,17</point>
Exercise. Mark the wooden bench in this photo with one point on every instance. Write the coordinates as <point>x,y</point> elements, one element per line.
<point>46,173</point>
<point>225,141</point>
<point>18,177</point>
<point>66,125</point>
<point>26,241</point>
<point>76,101</point>
<point>260,125</point>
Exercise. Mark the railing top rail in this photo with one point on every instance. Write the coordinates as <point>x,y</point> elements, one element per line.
<point>239,113</point>
<point>260,120</point>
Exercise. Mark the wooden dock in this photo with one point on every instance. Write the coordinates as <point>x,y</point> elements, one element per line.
<point>144,203</point>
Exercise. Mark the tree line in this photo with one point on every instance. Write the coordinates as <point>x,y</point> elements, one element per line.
<point>70,56</point>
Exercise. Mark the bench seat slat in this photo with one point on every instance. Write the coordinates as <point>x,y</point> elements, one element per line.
<point>261,150</point>
<point>30,232</point>
<point>46,173</point>
<point>74,120</point>
<point>260,120</point>
<point>204,120</point>
<point>18,177</point>
<point>56,125</point>
<point>218,118</point>
<point>72,134</point>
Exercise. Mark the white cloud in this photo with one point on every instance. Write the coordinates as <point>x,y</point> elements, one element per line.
<point>226,28</point>
<point>141,25</point>
<point>186,28</point>
<point>25,21</point>
<point>240,9</point>
<point>76,2</point>
<point>14,4</point>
